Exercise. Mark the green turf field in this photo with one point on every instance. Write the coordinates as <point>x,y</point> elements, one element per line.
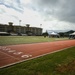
<point>59,63</point>
<point>11,40</point>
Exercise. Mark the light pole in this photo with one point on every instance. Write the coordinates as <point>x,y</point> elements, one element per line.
<point>19,26</point>
<point>40,25</point>
<point>19,22</point>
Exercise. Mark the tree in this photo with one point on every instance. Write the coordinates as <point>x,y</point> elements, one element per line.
<point>45,34</point>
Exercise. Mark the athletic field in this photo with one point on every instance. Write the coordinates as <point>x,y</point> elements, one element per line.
<point>13,40</point>
<point>18,51</point>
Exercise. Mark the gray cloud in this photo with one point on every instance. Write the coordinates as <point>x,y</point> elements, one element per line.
<point>63,10</point>
<point>15,17</point>
<point>2,11</point>
<point>14,4</point>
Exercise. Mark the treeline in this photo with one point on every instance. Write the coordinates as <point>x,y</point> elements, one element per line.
<point>66,34</point>
<point>62,34</point>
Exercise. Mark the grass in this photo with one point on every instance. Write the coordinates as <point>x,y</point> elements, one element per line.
<point>59,63</point>
<point>12,40</point>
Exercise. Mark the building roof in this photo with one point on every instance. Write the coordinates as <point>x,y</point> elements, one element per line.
<point>3,33</point>
<point>73,33</point>
<point>53,33</point>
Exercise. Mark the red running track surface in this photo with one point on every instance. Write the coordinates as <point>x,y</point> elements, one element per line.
<point>16,53</point>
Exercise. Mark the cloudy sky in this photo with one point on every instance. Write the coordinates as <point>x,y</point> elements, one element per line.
<point>52,14</point>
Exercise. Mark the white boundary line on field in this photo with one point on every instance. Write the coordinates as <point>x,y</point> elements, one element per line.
<point>10,55</point>
<point>35,57</point>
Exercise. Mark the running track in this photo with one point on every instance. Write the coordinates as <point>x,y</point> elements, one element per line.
<point>17,53</point>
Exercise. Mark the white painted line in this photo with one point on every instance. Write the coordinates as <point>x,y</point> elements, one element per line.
<point>30,55</point>
<point>10,55</point>
<point>10,51</point>
<point>6,49</point>
<point>25,56</point>
<point>3,47</point>
<point>18,53</point>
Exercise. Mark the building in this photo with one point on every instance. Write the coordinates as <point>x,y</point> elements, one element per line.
<point>10,28</point>
<point>72,36</point>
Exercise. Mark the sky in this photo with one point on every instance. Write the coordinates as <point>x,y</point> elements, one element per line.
<point>47,14</point>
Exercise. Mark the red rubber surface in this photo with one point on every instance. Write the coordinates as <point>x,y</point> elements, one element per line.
<point>15,53</point>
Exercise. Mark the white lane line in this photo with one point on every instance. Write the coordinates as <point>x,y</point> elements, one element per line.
<point>6,49</point>
<point>11,51</point>
<point>10,55</point>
